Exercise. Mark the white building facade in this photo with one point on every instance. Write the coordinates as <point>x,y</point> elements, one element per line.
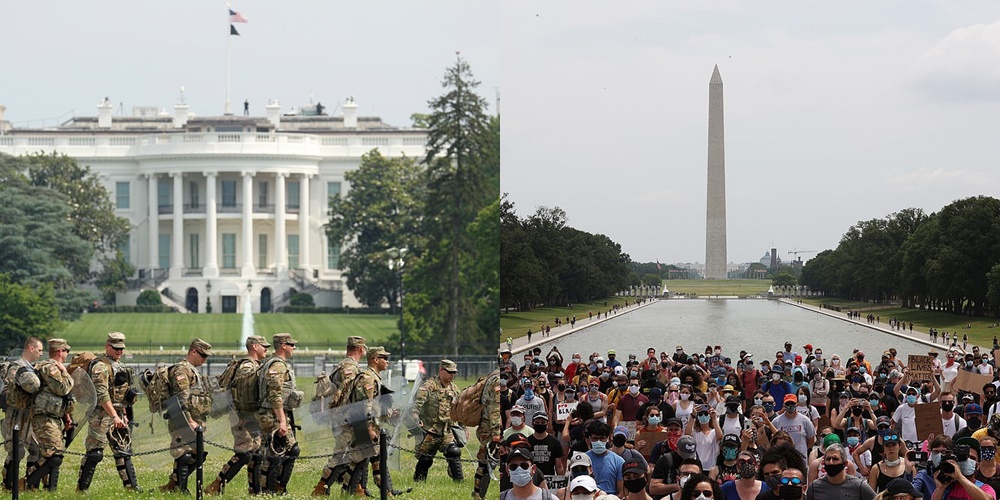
<point>223,208</point>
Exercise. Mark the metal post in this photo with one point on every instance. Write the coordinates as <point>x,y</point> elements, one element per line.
<point>15,463</point>
<point>383,463</point>
<point>199,450</point>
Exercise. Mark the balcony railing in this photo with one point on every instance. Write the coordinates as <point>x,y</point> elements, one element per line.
<point>229,209</point>
<point>263,209</point>
<point>194,209</point>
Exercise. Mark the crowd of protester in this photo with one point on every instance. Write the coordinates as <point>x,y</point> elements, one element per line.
<point>715,425</point>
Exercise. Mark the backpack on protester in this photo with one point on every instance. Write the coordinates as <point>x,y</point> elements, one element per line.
<point>468,407</point>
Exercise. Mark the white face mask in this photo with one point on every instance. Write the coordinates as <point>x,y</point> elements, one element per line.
<point>583,496</point>
<point>516,421</point>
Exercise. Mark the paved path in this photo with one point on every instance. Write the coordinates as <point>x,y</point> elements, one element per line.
<point>521,344</point>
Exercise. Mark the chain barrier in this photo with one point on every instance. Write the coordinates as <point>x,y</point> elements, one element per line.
<point>328,455</point>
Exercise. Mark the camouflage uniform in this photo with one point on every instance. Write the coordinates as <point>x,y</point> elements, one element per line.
<point>433,406</point>
<point>488,432</point>
<point>246,438</point>
<point>45,439</point>
<point>340,379</point>
<point>367,389</point>
<point>278,391</point>
<point>194,397</point>
<point>17,412</point>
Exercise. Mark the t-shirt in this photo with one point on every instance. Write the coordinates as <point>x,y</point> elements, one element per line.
<point>536,405</point>
<point>666,467</point>
<point>729,490</point>
<point>955,492</point>
<point>544,452</point>
<point>607,469</point>
<point>799,428</point>
<point>853,488</point>
<point>907,418</point>
<point>629,406</point>
<point>538,494</point>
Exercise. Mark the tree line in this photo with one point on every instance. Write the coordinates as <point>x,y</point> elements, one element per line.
<point>543,261</point>
<point>947,261</point>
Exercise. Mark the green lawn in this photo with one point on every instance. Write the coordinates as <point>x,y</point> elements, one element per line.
<point>149,331</point>
<point>981,333</point>
<point>516,323</point>
<point>717,287</point>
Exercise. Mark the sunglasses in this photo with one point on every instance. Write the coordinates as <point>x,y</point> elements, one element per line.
<point>117,349</point>
<point>704,493</point>
<point>791,480</point>
<point>892,438</point>
<point>519,465</point>
<point>203,355</point>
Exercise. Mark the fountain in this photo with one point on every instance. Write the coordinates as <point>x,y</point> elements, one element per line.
<point>247,321</point>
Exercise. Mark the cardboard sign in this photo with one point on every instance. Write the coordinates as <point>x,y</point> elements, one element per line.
<point>563,410</point>
<point>555,482</point>
<point>651,439</point>
<point>928,419</point>
<point>995,353</point>
<point>920,367</point>
<point>630,425</point>
<point>824,421</point>
<point>970,382</point>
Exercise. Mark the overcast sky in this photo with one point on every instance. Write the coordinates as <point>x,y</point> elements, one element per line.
<point>835,112</point>
<point>62,58</point>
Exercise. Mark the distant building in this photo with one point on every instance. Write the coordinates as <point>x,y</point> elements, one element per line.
<point>223,205</point>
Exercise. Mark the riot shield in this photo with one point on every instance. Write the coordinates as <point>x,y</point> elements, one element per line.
<point>85,395</point>
<point>406,427</point>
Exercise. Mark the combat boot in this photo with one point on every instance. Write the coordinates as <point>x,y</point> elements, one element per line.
<point>167,488</point>
<point>215,488</point>
<point>321,489</point>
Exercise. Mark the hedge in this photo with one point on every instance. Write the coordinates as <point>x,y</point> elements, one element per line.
<point>134,309</point>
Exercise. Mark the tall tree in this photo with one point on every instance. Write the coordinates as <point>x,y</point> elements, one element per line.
<point>26,311</point>
<point>458,156</point>
<point>381,211</point>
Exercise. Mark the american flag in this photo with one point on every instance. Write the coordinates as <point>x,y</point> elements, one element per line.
<point>236,17</point>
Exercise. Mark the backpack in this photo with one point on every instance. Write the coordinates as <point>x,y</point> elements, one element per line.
<point>245,387</point>
<point>468,407</point>
<point>156,384</point>
<point>83,360</point>
<point>261,386</point>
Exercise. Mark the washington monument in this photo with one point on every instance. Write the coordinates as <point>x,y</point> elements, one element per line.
<point>715,229</point>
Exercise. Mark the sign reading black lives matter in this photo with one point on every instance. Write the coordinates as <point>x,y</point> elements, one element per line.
<point>920,367</point>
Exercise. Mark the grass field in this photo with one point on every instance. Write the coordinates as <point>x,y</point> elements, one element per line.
<point>717,287</point>
<point>981,332</point>
<point>149,331</point>
<point>153,470</point>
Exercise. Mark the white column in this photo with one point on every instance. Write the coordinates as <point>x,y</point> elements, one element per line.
<point>177,237</point>
<point>304,262</point>
<point>211,269</point>
<point>280,240</point>
<point>154,224</point>
<point>248,269</point>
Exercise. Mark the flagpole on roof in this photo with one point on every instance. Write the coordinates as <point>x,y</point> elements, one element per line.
<point>229,44</point>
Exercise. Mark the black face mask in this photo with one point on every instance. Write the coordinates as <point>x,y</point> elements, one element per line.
<point>618,441</point>
<point>857,411</point>
<point>561,387</point>
<point>947,405</point>
<point>833,470</point>
<point>790,492</point>
<point>974,423</point>
<point>540,428</point>
<point>635,485</point>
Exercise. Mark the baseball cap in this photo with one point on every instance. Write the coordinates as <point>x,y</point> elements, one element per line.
<point>585,482</point>
<point>807,346</point>
<point>973,409</point>
<point>731,439</point>
<point>852,429</point>
<point>830,439</point>
<point>883,420</point>
<point>728,388</point>
<point>611,351</point>
<point>519,451</point>
<point>971,442</point>
<point>901,486</point>
<point>633,467</point>
<point>791,398</point>
<point>517,409</point>
<point>541,415</point>
<point>676,421</point>
<point>686,447</point>
<point>621,429</point>
<point>579,458</point>
<point>731,399</point>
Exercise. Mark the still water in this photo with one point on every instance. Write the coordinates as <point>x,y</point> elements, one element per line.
<point>760,327</point>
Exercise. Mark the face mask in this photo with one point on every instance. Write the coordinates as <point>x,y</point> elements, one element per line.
<point>836,361</point>
<point>773,482</point>
<point>911,399</point>
<point>730,453</point>
<point>685,396</point>
<point>892,463</point>
<point>520,477</point>
<point>605,375</point>
<point>702,497</point>
<point>862,370</point>
<point>618,441</point>
<point>673,438</point>
<point>791,492</point>
<point>988,453</point>
<point>732,409</point>
<point>758,402</point>
<point>819,355</point>
<point>561,387</point>
<point>776,377</point>
<point>968,467</point>
<point>968,364</point>
<point>683,480</point>
<point>802,400</point>
<point>635,485</point>
<point>873,402</point>
<point>583,496</point>
<point>599,447</point>
<point>516,421</point>
<point>852,441</point>
<point>974,423</point>
<point>703,419</point>
<point>529,394</point>
<point>614,383</point>
<point>768,407</point>
<point>947,405</point>
<point>936,458</point>
<point>835,469</point>
<point>576,360</point>
<point>633,390</point>
<point>654,420</point>
<point>746,470</point>
<point>540,428</point>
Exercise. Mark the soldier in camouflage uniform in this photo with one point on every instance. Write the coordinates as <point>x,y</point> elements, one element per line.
<point>432,406</point>
<point>343,374</point>
<point>195,398</point>
<point>246,433</point>
<point>20,383</point>
<point>112,383</point>
<point>49,418</point>
<point>367,387</point>
<point>279,398</point>
<point>488,432</point>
